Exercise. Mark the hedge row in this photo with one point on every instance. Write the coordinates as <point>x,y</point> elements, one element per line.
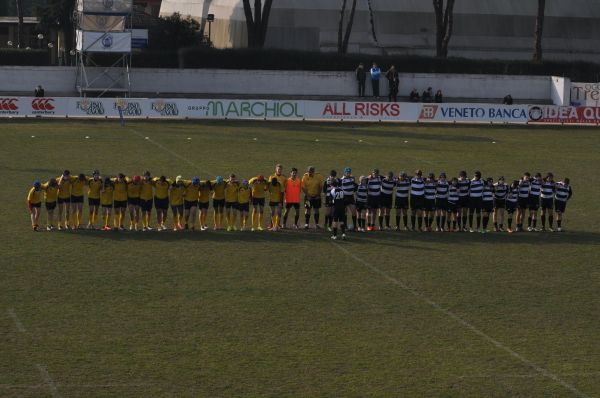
<point>20,57</point>
<point>202,57</point>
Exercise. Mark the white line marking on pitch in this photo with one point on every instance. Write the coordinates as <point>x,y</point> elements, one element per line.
<point>178,156</point>
<point>48,380</point>
<point>466,324</point>
<point>18,324</point>
<point>527,376</point>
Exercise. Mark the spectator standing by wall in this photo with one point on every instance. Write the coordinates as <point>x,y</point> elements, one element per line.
<point>508,100</point>
<point>375,75</point>
<point>361,77</point>
<point>39,91</point>
<point>438,97</point>
<point>392,76</point>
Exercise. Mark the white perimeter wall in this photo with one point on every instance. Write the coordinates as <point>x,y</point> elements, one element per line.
<point>61,81</point>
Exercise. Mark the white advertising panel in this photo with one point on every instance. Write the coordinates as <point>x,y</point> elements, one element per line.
<point>585,94</point>
<point>105,6</point>
<point>111,42</point>
<point>474,113</point>
<point>260,109</point>
<point>102,23</point>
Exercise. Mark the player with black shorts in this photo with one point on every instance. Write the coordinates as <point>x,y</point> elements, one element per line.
<point>417,199</point>
<point>348,185</point>
<point>463,200</point>
<point>534,201</point>
<point>487,202</point>
<point>452,208</point>
<point>512,203</point>
<point>500,192</point>
<point>362,194</point>
<point>547,203</point>
<point>564,192</point>
<point>327,186</point>
<point>475,200</point>
<point>401,205</point>
<point>339,209</point>
<point>374,194</point>
<point>523,201</point>
<point>441,202</point>
<point>385,201</point>
<point>430,190</point>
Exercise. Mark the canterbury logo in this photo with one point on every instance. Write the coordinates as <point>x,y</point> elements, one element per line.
<point>8,104</point>
<point>42,104</point>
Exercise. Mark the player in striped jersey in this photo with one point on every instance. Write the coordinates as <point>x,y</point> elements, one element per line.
<point>385,202</point>
<point>348,185</point>
<point>327,186</point>
<point>534,201</point>
<point>475,200</point>
<point>547,196</point>
<point>512,203</point>
<point>362,194</point>
<point>373,197</point>
<point>339,209</point>
<point>402,192</point>
<point>487,202</point>
<point>564,192</point>
<point>429,201</point>
<point>463,199</point>
<point>500,191</point>
<point>453,199</point>
<point>417,199</point>
<point>523,202</point>
<point>441,202</point>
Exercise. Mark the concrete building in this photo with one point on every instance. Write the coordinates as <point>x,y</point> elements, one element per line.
<point>482,28</point>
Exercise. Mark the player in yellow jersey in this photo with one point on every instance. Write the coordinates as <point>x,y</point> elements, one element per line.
<point>146,197</point>
<point>217,187</point>
<point>78,185</point>
<point>64,199</point>
<point>243,203</point>
<point>50,196</point>
<point>281,179</point>
<point>231,196</point>
<point>120,200</point>
<point>161,200</point>
<point>106,201</point>
<point>176,191</point>
<point>312,186</point>
<point>203,199</point>
<point>190,202</point>
<point>258,186</point>
<point>34,203</point>
<point>94,186</point>
<point>134,186</point>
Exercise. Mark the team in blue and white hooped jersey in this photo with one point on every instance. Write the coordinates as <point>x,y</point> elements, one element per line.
<point>455,204</point>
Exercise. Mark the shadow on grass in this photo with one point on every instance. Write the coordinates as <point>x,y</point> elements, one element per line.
<point>391,238</point>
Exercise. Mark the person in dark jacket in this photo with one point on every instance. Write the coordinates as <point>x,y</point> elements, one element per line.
<point>392,77</point>
<point>427,95</point>
<point>438,97</point>
<point>361,77</point>
<point>414,95</point>
<point>39,91</point>
<point>508,100</point>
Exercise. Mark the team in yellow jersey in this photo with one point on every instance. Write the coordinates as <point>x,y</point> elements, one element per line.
<point>188,199</point>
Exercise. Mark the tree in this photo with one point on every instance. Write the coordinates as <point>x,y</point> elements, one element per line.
<point>173,31</point>
<point>19,4</point>
<point>444,20</point>
<point>539,29</point>
<point>258,23</point>
<point>343,38</point>
<point>58,15</point>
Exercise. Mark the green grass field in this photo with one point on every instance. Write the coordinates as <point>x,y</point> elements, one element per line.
<point>218,314</point>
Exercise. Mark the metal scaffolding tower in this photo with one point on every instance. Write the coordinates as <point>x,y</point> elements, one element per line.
<point>103,47</point>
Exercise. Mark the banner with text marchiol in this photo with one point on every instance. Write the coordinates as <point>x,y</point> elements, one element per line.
<point>243,109</point>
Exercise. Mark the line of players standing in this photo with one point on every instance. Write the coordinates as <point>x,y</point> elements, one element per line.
<point>450,202</point>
